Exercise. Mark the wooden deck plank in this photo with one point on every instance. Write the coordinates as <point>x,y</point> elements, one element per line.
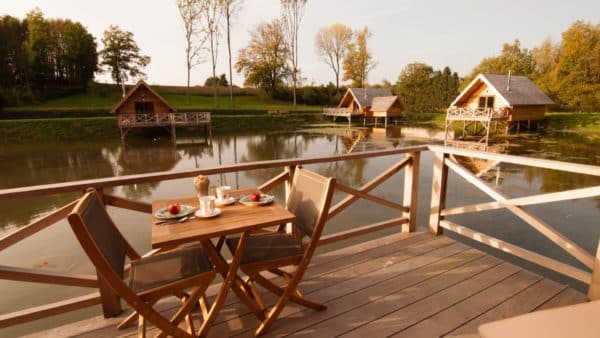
<point>566,297</point>
<point>339,310</point>
<point>524,302</point>
<point>407,284</point>
<point>458,314</point>
<point>400,318</point>
<point>342,282</point>
<point>409,294</point>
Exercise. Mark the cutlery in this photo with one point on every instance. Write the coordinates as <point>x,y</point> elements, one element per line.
<point>177,220</point>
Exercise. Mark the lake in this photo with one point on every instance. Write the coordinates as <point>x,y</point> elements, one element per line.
<point>56,249</point>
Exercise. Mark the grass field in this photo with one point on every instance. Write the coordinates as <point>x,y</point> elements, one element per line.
<point>86,101</point>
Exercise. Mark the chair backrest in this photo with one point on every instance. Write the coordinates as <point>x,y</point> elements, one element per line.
<point>92,217</point>
<point>309,199</point>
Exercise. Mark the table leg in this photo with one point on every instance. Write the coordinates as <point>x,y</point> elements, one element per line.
<point>231,281</point>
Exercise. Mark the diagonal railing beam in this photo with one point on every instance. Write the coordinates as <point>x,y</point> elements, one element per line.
<point>279,179</point>
<point>369,197</point>
<point>346,202</point>
<point>528,200</point>
<point>570,247</point>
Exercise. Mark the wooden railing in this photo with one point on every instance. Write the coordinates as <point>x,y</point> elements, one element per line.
<point>444,160</point>
<point>340,112</point>
<point>163,119</point>
<point>409,159</point>
<point>474,114</point>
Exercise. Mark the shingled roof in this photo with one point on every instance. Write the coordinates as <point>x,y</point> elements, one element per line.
<point>522,91</point>
<point>364,96</point>
<point>384,103</point>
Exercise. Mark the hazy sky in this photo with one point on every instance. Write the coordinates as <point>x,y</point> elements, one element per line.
<point>456,33</point>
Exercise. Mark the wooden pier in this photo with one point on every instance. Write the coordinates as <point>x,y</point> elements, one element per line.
<point>403,284</point>
<point>170,121</point>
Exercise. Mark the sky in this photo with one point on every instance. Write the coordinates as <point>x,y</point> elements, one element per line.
<point>457,33</point>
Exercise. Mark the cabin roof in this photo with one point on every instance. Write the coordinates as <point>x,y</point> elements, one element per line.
<point>522,90</point>
<point>141,83</point>
<point>384,103</point>
<point>364,96</point>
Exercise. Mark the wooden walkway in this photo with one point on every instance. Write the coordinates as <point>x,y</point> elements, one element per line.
<point>403,285</point>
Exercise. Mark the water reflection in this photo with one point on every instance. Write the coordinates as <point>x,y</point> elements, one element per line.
<point>32,164</point>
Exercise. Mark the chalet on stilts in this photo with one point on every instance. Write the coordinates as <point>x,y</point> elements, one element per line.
<point>494,98</point>
<point>143,107</point>
<point>367,102</point>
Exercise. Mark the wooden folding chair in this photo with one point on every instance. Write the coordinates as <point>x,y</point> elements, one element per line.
<point>309,199</point>
<point>150,278</point>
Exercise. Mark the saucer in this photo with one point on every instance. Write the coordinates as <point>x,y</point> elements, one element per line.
<point>227,201</point>
<point>200,214</point>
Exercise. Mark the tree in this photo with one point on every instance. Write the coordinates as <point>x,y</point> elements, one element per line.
<point>121,55</point>
<point>545,59</point>
<point>230,8</point>
<point>425,90</point>
<point>212,16</point>
<point>38,49</point>
<point>578,67</point>
<point>292,12</point>
<point>512,58</point>
<point>80,59</point>
<point>264,60</point>
<point>331,44</point>
<point>358,61</point>
<point>220,81</point>
<point>190,12</point>
<point>13,55</point>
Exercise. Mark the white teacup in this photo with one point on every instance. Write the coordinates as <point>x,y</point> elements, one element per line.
<point>207,204</point>
<point>223,192</point>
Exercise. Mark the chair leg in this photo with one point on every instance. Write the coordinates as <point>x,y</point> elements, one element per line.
<point>257,297</point>
<point>295,297</point>
<point>187,306</point>
<point>133,316</point>
<point>141,327</point>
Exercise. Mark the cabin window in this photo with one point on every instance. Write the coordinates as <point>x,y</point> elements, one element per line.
<point>144,107</point>
<point>486,102</point>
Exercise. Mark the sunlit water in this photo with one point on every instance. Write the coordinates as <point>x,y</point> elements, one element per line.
<point>56,249</point>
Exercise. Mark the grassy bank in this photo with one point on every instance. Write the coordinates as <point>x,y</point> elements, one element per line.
<point>68,129</point>
<point>105,101</point>
<point>572,121</point>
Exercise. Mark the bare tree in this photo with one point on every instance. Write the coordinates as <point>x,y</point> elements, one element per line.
<point>190,12</point>
<point>292,12</point>
<point>230,8</point>
<point>331,44</point>
<point>212,16</point>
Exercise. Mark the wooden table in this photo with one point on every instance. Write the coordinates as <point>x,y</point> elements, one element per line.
<point>234,219</point>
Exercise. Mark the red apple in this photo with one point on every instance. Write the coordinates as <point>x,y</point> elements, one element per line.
<point>174,208</point>
<point>255,197</point>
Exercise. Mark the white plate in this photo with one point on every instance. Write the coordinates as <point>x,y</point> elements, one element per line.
<point>185,210</point>
<point>228,201</point>
<point>200,214</point>
<point>264,199</point>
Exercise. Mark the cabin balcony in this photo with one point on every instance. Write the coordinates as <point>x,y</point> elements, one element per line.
<point>476,114</point>
<point>401,275</point>
<point>163,119</point>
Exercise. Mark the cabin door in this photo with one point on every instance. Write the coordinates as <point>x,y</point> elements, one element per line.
<point>144,107</point>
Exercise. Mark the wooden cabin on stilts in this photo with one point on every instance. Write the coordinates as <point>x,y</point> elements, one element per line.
<point>494,99</point>
<point>143,107</point>
<point>367,103</point>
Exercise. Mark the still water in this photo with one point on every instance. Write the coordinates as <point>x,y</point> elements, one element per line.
<point>56,249</point>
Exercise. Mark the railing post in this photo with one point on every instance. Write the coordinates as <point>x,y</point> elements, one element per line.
<point>288,189</point>
<point>438,192</point>
<point>411,192</point>
<point>594,290</point>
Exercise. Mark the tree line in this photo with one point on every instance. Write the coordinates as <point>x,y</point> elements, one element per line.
<point>41,58</point>
<point>568,70</point>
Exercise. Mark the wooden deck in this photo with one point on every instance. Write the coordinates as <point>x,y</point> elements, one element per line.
<point>403,285</point>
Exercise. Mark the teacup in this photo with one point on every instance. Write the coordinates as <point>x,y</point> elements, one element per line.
<point>207,204</point>
<point>223,192</point>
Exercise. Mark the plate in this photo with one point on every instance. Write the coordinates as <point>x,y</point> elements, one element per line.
<point>227,201</point>
<point>162,213</point>
<point>264,199</point>
<point>200,214</point>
